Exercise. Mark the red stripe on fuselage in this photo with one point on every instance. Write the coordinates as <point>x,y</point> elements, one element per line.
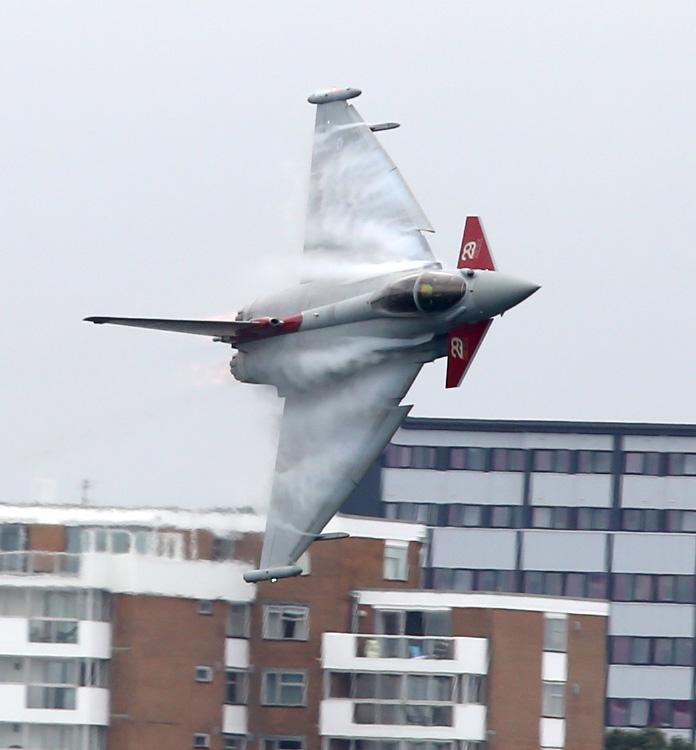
<point>263,328</point>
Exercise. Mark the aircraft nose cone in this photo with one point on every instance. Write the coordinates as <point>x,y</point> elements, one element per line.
<point>494,292</point>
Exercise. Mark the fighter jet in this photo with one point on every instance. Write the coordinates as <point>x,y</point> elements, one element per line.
<point>344,345</point>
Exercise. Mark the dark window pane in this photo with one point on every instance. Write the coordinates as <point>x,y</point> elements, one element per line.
<point>486,580</point>
<point>683,652</point>
<point>652,463</point>
<point>675,464</point>
<point>472,515</point>
<point>633,463</point>
<point>632,519</point>
<point>554,584</point>
<point>640,650</point>
<point>442,578</point>
<point>501,516</point>
<point>423,457</point>
<point>617,712</point>
<point>575,585</point>
<point>685,589</point>
<point>534,582</point>
<point>623,587</point>
<point>652,520</point>
<point>499,459</point>
<point>673,520</point>
<point>463,580</point>
<point>601,518</point>
<point>584,462</point>
<point>517,459</point>
<point>476,459</point>
<point>666,588</point>
<point>597,586</point>
<point>506,581</point>
<point>661,713</point>
<point>688,520</point>
<point>663,651</point>
<point>562,518</point>
<point>621,649</point>
<point>457,458</point>
<point>541,517</point>
<point>681,714</point>
<point>543,460</point>
<point>562,462</point>
<point>643,588</point>
<point>601,461</point>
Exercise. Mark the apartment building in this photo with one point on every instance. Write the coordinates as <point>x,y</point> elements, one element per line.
<point>574,509</point>
<point>133,628</point>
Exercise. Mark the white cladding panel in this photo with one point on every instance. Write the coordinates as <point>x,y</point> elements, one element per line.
<point>649,682</point>
<point>454,438</point>
<point>658,492</point>
<point>473,548</point>
<point>551,733</point>
<point>572,489</point>
<point>582,551</point>
<point>654,553</point>
<point>234,719</point>
<point>667,620</point>
<point>661,443</point>
<point>237,653</point>
<point>554,666</point>
<point>431,486</point>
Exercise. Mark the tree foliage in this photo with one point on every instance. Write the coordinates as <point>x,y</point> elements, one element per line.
<point>647,739</point>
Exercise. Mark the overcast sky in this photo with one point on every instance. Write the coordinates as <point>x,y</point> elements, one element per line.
<point>153,161</point>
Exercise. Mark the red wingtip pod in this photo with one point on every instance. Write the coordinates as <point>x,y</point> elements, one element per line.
<point>462,345</point>
<point>474,252</point>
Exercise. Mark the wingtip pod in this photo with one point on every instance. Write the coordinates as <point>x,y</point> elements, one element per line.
<point>333,95</point>
<point>272,574</point>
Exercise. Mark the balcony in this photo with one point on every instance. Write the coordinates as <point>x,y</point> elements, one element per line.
<point>356,653</point>
<point>39,563</point>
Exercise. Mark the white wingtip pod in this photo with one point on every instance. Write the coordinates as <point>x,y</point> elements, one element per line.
<point>272,574</point>
<point>333,95</point>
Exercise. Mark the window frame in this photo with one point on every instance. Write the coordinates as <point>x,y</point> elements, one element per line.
<point>281,609</point>
<point>267,700</point>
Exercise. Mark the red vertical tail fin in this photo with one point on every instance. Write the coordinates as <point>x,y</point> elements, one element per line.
<point>474,252</point>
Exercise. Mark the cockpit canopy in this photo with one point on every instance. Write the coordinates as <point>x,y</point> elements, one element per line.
<point>428,292</point>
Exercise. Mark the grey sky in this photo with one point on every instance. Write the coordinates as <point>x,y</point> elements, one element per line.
<point>153,158</point>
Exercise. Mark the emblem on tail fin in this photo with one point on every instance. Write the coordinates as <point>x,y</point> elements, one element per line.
<point>463,343</point>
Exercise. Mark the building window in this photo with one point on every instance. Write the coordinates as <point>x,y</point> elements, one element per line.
<point>625,649</point>
<point>471,459</point>
<point>680,520</point>
<point>578,585</point>
<point>681,464</point>
<point>233,742</point>
<point>238,621</point>
<point>554,700</point>
<point>642,587</point>
<point>203,674</point>
<point>553,517</point>
<point>397,456</point>
<point>205,607</point>
<point>644,463</point>
<point>593,519</point>
<point>283,743</point>
<point>641,519</point>
<point>639,712</point>
<point>53,631</point>
<point>594,462</point>
<point>555,633</point>
<point>13,537</point>
<point>395,561</point>
<point>201,740</point>
<point>235,687</point>
<point>285,622</point>
<point>284,688</point>
<point>508,459</point>
<point>473,688</point>
<point>223,549</point>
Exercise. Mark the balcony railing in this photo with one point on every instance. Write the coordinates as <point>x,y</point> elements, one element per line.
<point>39,563</point>
<point>404,647</point>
